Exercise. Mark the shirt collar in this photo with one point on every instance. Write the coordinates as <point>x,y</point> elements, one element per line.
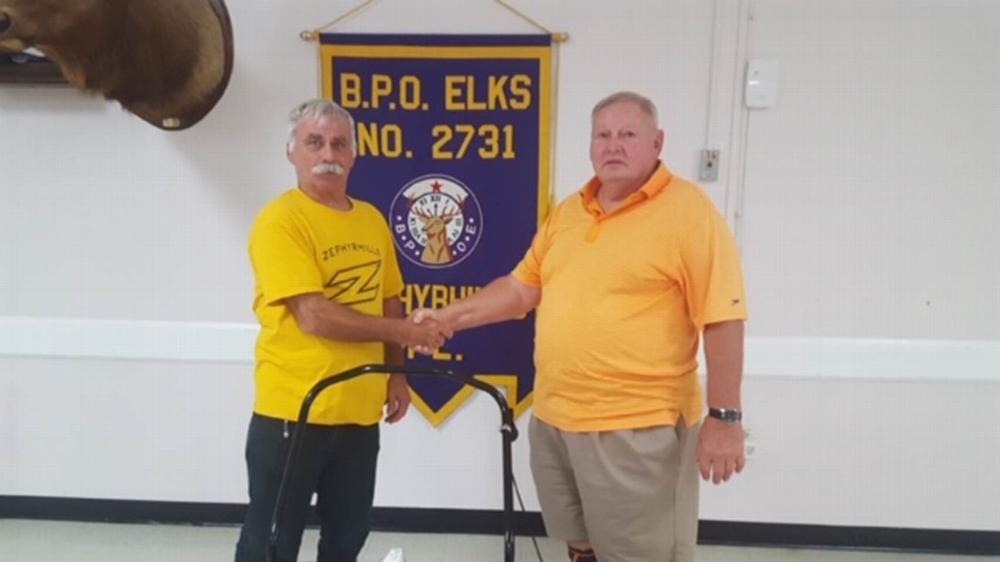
<point>655,184</point>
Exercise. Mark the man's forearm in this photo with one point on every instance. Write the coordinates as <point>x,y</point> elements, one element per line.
<point>319,317</point>
<point>724,358</point>
<point>504,298</point>
<point>345,324</point>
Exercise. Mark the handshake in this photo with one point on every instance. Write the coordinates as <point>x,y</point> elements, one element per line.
<point>427,329</point>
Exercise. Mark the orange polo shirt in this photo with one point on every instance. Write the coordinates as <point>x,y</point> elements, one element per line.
<point>625,296</point>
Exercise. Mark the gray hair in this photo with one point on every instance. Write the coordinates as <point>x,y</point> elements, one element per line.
<point>317,109</point>
<point>643,102</point>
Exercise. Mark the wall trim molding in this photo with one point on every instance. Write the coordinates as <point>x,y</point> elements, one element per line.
<point>80,338</point>
<point>219,342</point>
<point>462,521</point>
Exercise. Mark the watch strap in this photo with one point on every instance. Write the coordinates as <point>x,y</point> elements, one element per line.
<point>725,414</point>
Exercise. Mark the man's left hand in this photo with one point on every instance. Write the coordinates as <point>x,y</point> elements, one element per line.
<point>720,450</point>
<point>397,398</point>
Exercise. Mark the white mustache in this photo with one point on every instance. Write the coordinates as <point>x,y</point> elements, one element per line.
<point>319,169</point>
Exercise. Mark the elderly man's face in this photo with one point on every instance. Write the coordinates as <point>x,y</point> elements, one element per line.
<point>624,144</point>
<point>322,152</point>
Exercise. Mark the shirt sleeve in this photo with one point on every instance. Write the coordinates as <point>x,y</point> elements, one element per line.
<point>283,262</point>
<point>529,269</point>
<point>713,278</point>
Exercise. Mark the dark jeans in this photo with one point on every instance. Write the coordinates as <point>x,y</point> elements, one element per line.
<point>337,463</point>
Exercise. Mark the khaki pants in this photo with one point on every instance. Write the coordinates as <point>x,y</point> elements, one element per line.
<point>632,493</point>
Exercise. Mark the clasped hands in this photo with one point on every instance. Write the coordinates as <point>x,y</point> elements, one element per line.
<point>428,330</point>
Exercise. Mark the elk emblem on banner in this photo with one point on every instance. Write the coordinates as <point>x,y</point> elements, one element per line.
<point>436,220</point>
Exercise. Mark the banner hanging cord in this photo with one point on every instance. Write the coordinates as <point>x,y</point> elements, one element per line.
<point>557,36</point>
<point>313,34</point>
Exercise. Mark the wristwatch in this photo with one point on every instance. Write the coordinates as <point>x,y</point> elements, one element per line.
<point>726,415</point>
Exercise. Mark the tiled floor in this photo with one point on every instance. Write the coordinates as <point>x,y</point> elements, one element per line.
<point>50,541</point>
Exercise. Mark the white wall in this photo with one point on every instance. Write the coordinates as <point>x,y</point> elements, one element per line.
<point>867,210</point>
<point>866,194</point>
<point>871,190</point>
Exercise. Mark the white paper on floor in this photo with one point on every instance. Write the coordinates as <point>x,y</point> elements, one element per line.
<point>395,555</point>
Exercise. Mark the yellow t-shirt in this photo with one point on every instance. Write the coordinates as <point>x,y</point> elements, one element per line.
<point>625,296</point>
<point>299,246</point>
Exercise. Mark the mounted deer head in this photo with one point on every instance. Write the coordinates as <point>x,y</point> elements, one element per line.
<point>167,61</point>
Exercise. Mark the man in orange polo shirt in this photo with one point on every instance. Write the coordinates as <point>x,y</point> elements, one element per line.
<point>626,275</point>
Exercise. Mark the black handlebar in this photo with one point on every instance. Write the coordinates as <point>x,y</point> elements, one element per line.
<point>507,429</point>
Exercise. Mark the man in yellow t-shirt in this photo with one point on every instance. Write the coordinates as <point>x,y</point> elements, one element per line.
<point>626,275</point>
<point>327,299</point>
